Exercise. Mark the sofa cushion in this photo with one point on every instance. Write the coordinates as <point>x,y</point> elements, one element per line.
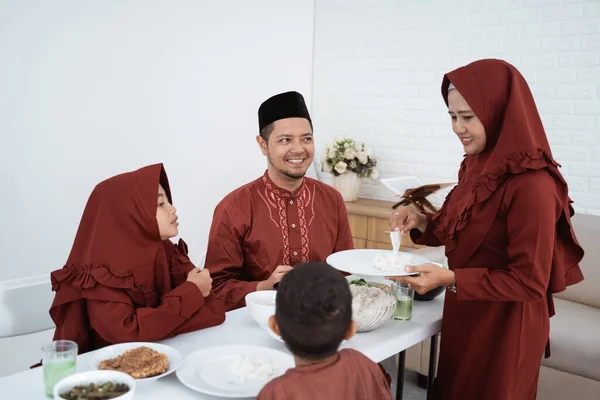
<point>575,339</point>
<point>587,230</point>
<point>559,385</point>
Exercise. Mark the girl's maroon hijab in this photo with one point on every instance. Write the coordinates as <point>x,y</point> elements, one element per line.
<point>117,246</point>
<point>516,143</point>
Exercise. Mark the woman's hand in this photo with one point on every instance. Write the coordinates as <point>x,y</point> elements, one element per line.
<point>430,277</point>
<point>406,218</point>
<point>202,279</point>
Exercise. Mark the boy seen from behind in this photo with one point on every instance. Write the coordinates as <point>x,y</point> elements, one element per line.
<point>313,316</point>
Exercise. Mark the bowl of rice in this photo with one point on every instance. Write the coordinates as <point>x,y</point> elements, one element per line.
<point>371,306</point>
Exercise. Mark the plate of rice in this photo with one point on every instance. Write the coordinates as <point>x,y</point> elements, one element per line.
<point>373,262</point>
<point>233,371</point>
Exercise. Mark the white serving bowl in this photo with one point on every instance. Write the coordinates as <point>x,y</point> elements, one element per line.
<point>374,318</point>
<point>261,305</point>
<point>97,377</point>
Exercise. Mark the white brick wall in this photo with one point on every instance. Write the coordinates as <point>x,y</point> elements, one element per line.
<point>378,66</point>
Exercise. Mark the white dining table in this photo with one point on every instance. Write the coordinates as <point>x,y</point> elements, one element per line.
<point>394,337</point>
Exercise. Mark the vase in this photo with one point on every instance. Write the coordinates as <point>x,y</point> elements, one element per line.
<point>348,185</point>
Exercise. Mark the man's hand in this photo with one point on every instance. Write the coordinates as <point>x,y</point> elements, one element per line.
<point>275,277</point>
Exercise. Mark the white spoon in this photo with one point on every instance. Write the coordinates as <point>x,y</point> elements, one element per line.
<point>395,238</point>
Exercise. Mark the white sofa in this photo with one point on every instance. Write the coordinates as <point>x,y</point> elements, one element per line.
<point>573,370</point>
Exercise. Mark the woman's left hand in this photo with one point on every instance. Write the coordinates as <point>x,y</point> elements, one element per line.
<point>430,277</point>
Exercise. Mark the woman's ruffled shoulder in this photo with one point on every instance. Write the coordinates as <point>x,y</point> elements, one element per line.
<point>88,276</point>
<point>486,185</point>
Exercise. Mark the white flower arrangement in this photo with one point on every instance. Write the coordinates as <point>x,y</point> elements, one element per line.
<point>345,155</point>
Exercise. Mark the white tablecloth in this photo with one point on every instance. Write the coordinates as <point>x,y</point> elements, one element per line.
<point>240,328</point>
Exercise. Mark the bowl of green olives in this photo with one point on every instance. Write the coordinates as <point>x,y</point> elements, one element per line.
<point>97,385</point>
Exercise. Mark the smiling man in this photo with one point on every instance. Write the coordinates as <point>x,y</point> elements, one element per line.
<point>260,230</point>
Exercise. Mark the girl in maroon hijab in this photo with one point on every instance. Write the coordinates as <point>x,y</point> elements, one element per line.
<point>124,280</point>
<point>507,232</point>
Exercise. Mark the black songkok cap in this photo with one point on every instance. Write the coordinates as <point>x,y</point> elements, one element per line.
<point>280,106</point>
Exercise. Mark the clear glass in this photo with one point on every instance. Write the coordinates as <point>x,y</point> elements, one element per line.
<point>59,360</point>
<point>405,297</point>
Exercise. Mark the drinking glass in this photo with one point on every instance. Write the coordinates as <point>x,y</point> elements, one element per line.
<point>405,296</point>
<point>59,360</point>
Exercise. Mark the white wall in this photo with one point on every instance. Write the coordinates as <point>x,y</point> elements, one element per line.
<point>379,65</point>
<point>91,89</point>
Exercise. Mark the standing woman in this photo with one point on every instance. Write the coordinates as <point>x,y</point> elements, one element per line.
<point>124,280</point>
<point>507,232</point>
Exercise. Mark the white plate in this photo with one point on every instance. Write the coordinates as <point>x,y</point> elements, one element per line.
<point>93,360</point>
<point>209,370</point>
<point>360,262</point>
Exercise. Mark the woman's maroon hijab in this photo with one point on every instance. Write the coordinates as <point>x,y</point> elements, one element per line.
<point>117,246</point>
<point>516,143</point>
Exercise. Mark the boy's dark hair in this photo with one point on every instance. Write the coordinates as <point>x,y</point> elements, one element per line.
<point>313,310</point>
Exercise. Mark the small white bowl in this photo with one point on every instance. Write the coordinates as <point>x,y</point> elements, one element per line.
<point>97,377</point>
<point>261,305</point>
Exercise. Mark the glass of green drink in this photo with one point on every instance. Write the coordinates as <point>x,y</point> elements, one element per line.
<point>405,296</point>
<point>59,361</point>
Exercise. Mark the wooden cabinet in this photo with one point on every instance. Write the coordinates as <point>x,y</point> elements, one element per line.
<point>369,221</point>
